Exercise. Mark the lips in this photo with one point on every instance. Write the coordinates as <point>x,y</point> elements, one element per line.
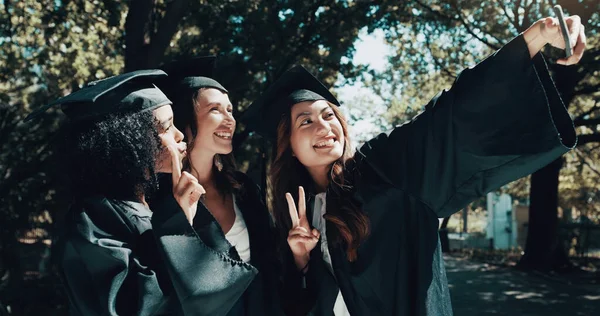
<point>223,135</point>
<point>325,142</point>
<point>182,148</point>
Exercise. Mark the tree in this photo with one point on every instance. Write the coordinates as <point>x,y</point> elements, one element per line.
<point>50,48</point>
<point>46,49</point>
<point>446,36</point>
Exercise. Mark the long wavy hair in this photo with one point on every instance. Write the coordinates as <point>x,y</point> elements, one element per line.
<point>350,222</point>
<point>184,116</point>
<point>114,157</point>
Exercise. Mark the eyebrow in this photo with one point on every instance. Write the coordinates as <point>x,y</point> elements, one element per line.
<point>309,113</point>
<point>166,121</point>
<point>218,103</point>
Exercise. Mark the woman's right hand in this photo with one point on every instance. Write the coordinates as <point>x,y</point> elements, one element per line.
<point>186,189</point>
<point>301,239</point>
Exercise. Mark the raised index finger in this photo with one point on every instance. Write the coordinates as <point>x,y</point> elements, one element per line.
<point>293,211</point>
<point>175,165</point>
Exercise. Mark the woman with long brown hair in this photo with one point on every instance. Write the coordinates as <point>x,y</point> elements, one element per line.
<point>231,219</point>
<point>374,213</point>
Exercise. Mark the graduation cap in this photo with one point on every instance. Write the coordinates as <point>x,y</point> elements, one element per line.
<point>294,86</point>
<point>189,75</point>
<point>130,92</point>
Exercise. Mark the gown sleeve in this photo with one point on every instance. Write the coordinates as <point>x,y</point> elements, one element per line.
<point>101,269</point>
<point>501,120</point>
<point>207,281</point>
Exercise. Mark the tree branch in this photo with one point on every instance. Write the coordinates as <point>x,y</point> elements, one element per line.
<point>526,21</point>
<point>460,19</point>
<point>588,138</point>
<point>469,29</point>
<point>166,29</point>
<point>9,26</point>
<point>587,89</point>
<point>516,16</point>
<point>306,41</point>
<point>582,158</point>
<point>586,113</point>
<point>437,63</point>
<point>135,32</point>
<point>26,170</point>
<point>588,122</point>
<point>435,12</point>
<point>505,10</point>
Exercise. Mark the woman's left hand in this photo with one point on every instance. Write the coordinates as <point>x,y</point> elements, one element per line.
<point>547,31</point>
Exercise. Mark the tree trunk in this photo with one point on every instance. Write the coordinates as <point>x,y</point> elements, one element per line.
<point>136,53</point>
<point>144,47</point>
<point>443,232</point>
<point>543,250</point>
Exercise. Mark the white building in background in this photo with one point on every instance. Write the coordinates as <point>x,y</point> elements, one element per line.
<point>502,224</point>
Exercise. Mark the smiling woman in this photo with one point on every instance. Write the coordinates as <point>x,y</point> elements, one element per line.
<point>232,220</point>
<point>317,137</point>
<point>374,213</point>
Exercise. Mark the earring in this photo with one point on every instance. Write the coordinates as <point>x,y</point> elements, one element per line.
<point>218,162</point>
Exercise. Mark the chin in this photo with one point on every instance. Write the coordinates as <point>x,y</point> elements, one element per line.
<point>336,156</point>
<point>225,151</point>
<point>330,157</point>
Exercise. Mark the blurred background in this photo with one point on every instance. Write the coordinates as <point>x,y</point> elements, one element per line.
<point>531,248</point>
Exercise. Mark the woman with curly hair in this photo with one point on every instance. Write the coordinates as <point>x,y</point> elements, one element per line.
<point>119,135</point>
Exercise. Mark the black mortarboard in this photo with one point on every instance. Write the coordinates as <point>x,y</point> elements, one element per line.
<point>294,86</point>
<point>190,74</point>
<point>129,92</point>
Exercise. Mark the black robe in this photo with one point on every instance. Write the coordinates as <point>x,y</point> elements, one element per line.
<point>208,275</point>
<point>108,261</point>
<point>501,120</point>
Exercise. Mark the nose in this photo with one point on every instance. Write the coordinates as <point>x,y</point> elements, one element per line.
<point>230,121</point>
<point>323,127</point>
<point>178,135</point>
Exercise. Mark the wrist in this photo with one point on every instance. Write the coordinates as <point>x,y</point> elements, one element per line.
<point>302,262</point>
<point>534,39</point>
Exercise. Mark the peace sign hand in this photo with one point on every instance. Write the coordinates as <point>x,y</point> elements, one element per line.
<point>301,239</point>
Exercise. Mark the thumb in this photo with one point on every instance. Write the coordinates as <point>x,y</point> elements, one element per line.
<point>316,233</point>
<point>551,23</point>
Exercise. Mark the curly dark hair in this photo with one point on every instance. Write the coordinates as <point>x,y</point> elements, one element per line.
<point>114,157</point>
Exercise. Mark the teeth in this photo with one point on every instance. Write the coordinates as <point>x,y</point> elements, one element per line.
<point>328,142</point>
<point>224,135</point>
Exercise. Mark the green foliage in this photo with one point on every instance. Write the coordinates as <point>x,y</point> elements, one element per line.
<point>442,37</point>
<point>49,48</point>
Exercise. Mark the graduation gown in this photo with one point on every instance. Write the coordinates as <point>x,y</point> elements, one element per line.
<point>108,260</point>
<point>208,275</point>
<point>501,120</point>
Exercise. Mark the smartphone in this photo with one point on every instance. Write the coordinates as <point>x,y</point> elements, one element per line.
<point>563,28</point>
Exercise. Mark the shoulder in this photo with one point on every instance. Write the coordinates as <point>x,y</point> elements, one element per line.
<point>118,217</point>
